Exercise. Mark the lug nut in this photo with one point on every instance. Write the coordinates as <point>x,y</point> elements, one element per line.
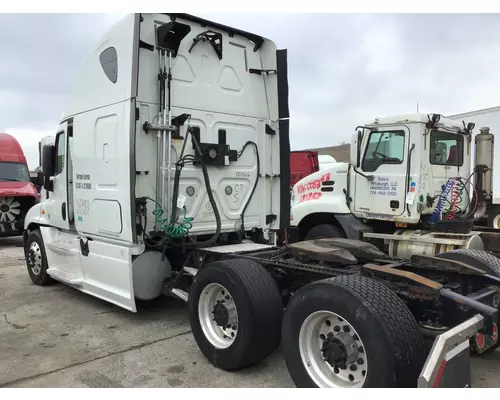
<point>328,323</point>
<point>353,367</point>
<point>360,361</point>
<point>336,328</point>
<point>346,328</point>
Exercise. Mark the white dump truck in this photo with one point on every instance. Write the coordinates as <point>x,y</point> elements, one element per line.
<point>169,175</point>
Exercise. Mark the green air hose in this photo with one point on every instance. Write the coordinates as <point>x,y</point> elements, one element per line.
<point>171,229</point>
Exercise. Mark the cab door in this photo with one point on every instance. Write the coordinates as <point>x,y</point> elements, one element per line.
<point>56,204</point>
<point>61,242</point>
<point>380,186</point>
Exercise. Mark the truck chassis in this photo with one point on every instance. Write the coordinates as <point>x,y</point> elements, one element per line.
<point>442,307</point>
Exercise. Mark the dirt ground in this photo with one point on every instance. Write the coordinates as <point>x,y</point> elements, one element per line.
<point>56,336</point>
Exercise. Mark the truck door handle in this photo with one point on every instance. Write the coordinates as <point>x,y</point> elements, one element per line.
<point>63,211</point>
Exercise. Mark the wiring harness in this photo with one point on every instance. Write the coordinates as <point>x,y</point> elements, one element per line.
<point>454,189</point>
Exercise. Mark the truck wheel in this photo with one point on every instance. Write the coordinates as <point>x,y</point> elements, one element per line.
<point>486,261</point>
<point>36,259</point>
<point>476,258</point>
<point>351,331</point>
<point>494,217</point>
<point>235,311</point>
<point>324,231</point>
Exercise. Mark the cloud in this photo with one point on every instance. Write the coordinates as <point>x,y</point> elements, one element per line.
<point>41,55</point>
<point>344,69</point>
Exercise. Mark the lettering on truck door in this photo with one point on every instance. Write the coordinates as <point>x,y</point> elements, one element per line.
<point>382,190</point>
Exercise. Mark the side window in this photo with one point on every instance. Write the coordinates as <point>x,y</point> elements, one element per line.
<point>384,148</point>
<point>446,149</point>
<point>61,153</point>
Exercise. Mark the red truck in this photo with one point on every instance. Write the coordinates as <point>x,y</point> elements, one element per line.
<point>17,192</point>
<point>302,164</point>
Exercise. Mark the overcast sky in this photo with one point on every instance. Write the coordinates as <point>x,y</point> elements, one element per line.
<point>344,69</point>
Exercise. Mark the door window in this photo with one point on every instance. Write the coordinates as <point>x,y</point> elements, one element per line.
<point>384,148</point>
<point>61,153</point>
<point>446,149</point>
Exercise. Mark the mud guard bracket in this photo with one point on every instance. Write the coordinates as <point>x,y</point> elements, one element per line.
<point>448,363</point>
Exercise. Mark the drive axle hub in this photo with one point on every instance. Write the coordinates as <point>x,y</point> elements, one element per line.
<point>224,313</point>
<point>339,350</point>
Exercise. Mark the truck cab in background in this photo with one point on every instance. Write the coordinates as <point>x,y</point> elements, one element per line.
<point>17,192</point>
<point>302,163</point>
<point>408,181</point>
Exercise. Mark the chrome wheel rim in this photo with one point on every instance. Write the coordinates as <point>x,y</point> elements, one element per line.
<point>35,258</point>
<point>332,351</point>
<point>218,315</point>
<point>496,222</point>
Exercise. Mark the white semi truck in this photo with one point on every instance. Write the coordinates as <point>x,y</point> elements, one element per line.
<point>169,175</point>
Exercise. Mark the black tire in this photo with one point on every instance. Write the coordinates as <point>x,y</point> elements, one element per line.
<point>393,343</point>
<point>492,213</point>
<point>324,231</point>
<point>260,312</point>
<point>483,260</point>
<point>42,278</point>
<point>477,258</point>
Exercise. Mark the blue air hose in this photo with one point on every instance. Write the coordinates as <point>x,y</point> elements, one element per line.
<point>442,198</point>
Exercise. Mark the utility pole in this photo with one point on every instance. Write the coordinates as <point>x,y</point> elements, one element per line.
<point>417,107</point>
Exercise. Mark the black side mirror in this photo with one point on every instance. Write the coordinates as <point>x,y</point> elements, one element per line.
<point>358,152</point>
<point>48,166</point>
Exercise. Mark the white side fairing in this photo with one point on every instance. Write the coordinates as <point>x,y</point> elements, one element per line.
<point>103,136</point>
<point>91,249</point>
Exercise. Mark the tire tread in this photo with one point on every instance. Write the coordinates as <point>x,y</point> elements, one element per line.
<point>401,327</point>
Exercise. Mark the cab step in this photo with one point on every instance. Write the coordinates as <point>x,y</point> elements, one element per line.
<point>181,294</point>
<point>64,277</point>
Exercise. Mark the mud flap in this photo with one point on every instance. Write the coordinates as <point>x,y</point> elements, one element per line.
<point>448,363</point>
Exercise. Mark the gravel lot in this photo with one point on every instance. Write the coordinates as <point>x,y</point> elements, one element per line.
<point>56,336</point>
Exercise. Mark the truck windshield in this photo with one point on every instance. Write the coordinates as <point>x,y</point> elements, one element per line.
<point>14,172</point>
<point>384,148</point>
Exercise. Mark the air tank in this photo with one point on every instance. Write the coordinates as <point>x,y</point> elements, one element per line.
<point>430,244</point>
<point>484,160</point>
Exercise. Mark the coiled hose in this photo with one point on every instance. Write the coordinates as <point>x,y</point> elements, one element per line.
<point>455,198</point>
<point>171,229</point>
<point>442,198</point>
